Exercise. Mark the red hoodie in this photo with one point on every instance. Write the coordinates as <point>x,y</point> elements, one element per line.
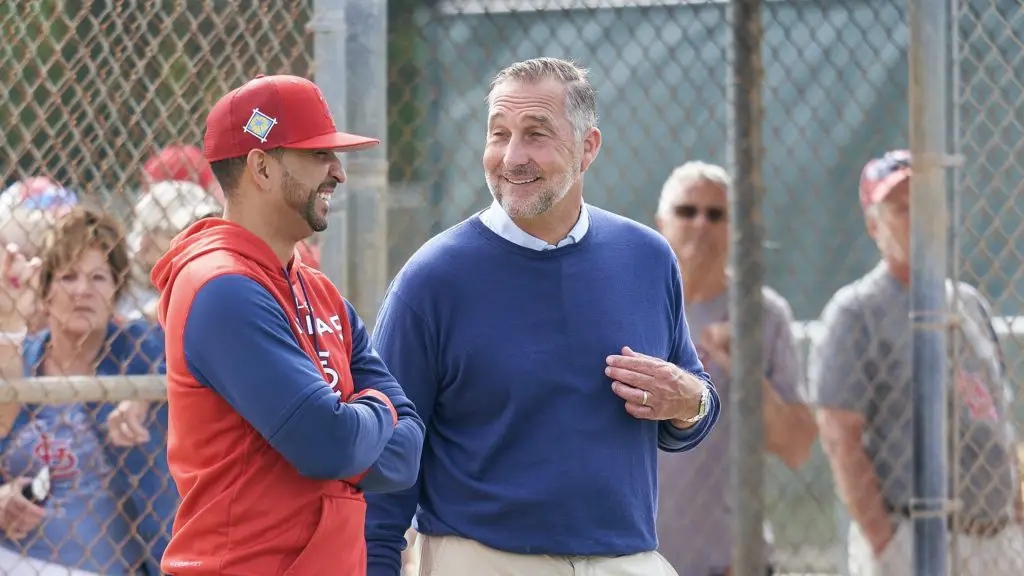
<point>278,409</point>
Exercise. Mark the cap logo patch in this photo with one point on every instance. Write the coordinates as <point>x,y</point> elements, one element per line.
<point>259,125</point>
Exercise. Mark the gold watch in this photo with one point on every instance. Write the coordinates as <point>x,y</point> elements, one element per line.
<point>705,405</point>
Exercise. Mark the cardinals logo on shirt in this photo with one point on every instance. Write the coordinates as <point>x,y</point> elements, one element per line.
<point>976,396</point>
<point>58,455</point>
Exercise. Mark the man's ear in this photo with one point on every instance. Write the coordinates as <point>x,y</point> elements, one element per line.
<point>659,223</point>
<point>591,147</point>
<point>871,222</point>
<point>258,165</point>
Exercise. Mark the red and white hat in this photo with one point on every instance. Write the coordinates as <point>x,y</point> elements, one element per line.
<point>179,162</point>
<point>275,112</point>
<point>882,175</point>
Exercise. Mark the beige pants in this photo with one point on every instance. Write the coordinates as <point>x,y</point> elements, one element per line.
<point>454,556</point>
<point>999,555</point>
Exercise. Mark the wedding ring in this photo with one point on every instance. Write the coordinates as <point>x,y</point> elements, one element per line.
<point>645,398</point>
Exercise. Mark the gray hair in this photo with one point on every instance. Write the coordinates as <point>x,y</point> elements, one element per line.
<point>580,99</point>
<point>688,173</point>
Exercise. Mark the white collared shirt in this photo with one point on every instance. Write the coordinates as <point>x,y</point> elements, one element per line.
<point>495,218</point>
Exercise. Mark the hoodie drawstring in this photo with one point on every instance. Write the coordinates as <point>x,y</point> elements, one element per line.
<point>309,306</point>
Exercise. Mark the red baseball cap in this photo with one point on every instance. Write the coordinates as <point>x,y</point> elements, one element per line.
<point>882,175</point>
<point>275,112</point>
<point>179,162</point>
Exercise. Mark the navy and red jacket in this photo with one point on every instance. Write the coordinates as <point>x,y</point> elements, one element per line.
<point>280,413</point>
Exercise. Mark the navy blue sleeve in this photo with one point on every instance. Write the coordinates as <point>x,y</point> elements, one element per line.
<point>407,345</point>
<point>684,355</point>
<point>238,342</point>
<point>399,464</point>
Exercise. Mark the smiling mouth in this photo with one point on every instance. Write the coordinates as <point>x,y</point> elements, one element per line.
<point>521,182</point>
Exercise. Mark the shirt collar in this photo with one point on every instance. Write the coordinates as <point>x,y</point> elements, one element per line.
<point>495,218</point>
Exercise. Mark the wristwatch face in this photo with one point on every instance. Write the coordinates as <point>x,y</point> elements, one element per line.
<point>702,410</point>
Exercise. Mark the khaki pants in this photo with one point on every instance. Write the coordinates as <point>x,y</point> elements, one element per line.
<point>454,556</point>
<point>998,555</point>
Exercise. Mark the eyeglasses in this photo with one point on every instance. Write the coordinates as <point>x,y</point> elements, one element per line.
<point>689,212</point>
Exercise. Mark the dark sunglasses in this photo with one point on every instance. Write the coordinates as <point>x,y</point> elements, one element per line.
<point>888,164</point>
<point>689,212</point>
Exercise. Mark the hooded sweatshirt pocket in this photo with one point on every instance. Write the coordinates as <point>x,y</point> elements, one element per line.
<point>338,544</point>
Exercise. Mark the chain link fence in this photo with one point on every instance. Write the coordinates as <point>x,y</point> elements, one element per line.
<point>95,91</point>
<point>103,103</point>
<point>987,71</point>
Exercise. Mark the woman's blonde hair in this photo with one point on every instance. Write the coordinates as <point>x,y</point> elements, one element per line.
<point>79,230</point>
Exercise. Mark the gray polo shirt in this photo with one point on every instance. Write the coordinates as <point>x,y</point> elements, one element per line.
<point>694,512</point>
<point>862,363</point>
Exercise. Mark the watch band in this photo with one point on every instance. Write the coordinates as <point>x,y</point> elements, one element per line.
<point>702,410</point>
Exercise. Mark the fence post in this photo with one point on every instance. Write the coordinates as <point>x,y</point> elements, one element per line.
<point>745,299</point>
<point>929,222</point>
<point>366,66</point>
<point>330,74</point>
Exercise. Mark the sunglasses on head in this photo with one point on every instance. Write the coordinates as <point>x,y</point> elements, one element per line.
<point>689,212</point>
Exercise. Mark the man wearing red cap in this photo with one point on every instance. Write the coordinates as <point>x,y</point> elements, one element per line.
<point>180,162</point>
<point>280,411</point>
<point>860,370</point>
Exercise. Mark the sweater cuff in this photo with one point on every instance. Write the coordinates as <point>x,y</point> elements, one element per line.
<point>381,569</point>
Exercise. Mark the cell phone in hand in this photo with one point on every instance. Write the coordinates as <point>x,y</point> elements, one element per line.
<point>38,490</point>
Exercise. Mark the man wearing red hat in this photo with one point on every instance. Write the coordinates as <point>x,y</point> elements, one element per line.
<point>180,162</point>
<point>860,370</point>
<point>280,411</point>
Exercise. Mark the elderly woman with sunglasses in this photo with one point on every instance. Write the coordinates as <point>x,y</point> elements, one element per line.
<point>109,508</point>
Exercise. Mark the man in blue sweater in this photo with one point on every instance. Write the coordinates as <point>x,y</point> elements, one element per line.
<point>544,344</point>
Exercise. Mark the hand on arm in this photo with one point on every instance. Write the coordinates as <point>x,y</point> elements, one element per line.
<point>239,342</point>
<point>398,465</point>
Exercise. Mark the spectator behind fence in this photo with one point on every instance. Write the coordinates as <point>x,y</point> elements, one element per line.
<point>282,414</point>
<point>111,507</point>
<point>860,369</point>
<point>28,210</point>
<point>183,162</point>
<point>544,343</point>
<point>161,213</point>
<point>694,511</point>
